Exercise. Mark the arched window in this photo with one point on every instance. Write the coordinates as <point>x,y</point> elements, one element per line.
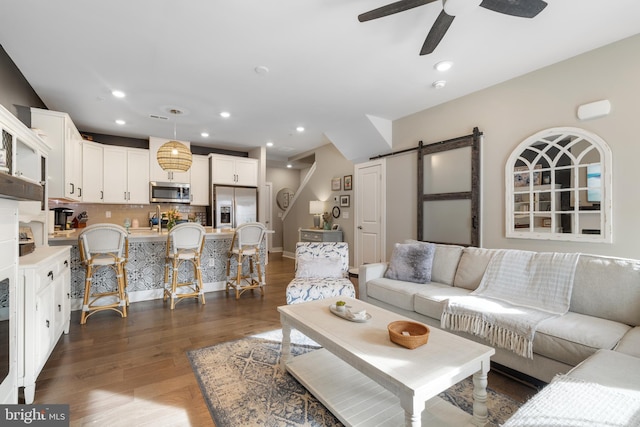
<point>558,187</point>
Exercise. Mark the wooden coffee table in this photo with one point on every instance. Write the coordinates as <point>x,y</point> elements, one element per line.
<point>364,379</point>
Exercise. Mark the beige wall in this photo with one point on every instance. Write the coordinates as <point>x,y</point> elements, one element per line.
<point>279,179</point>
<point>329,164</point>
<point>510,112</point>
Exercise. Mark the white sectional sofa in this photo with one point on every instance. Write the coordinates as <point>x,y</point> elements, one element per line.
<point>604,310</point>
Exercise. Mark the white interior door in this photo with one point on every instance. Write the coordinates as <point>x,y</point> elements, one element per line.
<point>369,212</point>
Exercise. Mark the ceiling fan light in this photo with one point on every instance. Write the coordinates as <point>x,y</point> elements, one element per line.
<point>459,7</point>
<point>174,156</point>
<point>443,65</point>
<point>439,84</point>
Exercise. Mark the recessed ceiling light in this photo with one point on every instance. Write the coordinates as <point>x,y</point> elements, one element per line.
<point>204,134</point>
<point>443,65</point>
<point>118,94</point>
<point>269,144</point>
<point>121,122</point>
<point>300,128</point>
<point>225,114</point>
<point>261,69</point>
<point>439,84</point>
<point>289,165</point>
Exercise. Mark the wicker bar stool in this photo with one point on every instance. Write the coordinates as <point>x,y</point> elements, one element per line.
<point>185,243</point>
<point>104,245</point>
<point>246,242</point>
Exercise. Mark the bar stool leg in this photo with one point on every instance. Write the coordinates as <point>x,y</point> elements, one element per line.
<point>121,288</point>
<point>166,279</point>
<point>198,273</point>
<point>239,275</point>
<point>174,282</point>
<point>87,291</point>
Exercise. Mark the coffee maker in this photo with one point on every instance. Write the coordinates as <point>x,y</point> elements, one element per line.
<point>61,218</point>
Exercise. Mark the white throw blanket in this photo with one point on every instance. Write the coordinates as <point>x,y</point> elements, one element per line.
<point>519,290</point>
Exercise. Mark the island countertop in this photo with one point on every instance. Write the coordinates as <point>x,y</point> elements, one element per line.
<point>142,234</point>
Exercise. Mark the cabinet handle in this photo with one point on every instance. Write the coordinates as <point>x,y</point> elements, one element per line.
<point>50,274</point>
<point>47,323</point>
<point>59,307</point>
<point>79,192</point>
<point>101,195</point>
<point>73,188</point>
<point>125,195</point>
<point>128,195</point>
<point>66,263</point>
<point>68,295</point>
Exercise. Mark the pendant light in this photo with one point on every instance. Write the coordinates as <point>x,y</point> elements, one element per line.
<point>174,156</point>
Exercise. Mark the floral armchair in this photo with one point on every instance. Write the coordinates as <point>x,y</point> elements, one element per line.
<point>321,272</point>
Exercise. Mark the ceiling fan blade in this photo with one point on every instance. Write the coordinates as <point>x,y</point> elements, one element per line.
<point>436,33</point>
<point>521,8</point>
<point>390,9</point>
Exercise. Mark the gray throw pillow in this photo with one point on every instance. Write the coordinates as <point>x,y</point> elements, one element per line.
<point>411,262</point>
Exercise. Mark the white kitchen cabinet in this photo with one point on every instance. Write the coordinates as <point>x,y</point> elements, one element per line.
<point>200,186</point>
<point>126,172</point>
<point>156,173</point>
<point>92,172</point>
<point>44,286</point>
<point>230,170</point>
<point>65,159</point>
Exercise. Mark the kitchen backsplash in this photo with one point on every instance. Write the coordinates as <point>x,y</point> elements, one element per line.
<point>97,213</point>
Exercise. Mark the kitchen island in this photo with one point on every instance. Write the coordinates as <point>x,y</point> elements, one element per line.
<point>145,267</point>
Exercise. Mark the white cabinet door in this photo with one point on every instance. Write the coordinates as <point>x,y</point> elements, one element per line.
<point>138,175</point>
<point>65,159</point>
<point>115,174</point>
<point>200,181</point>
<point>229,170</point>
<point>92,172</point>
<point>247,172</point>
<point>223,169</point>
<point>155,171</point>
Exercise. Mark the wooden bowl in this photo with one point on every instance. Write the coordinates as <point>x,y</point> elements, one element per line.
<point>418,333</point>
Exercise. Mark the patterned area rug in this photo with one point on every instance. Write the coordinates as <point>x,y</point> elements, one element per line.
<point>243,386</point>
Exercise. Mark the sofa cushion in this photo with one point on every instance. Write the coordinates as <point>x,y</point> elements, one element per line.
<point>394,292</point>
<point>630,343</point>
<point>573,337</point>
<point>607,287</point>
<point>445,262</point>
<point>472,266</point>
<point>411,262</point>
<point>611,369</point>
<point>311,289</point>
<point>430,299</point>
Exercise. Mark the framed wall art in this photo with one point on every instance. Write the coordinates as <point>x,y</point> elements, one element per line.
<point>336,184</point>
<point>345,201</point>
<point>347,182</point>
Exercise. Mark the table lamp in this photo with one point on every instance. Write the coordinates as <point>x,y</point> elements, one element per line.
<point>316,208</point>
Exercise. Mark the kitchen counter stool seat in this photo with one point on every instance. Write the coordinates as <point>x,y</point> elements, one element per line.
<point>104,245</point>
<point>246,242</point>
<point>185,243</point>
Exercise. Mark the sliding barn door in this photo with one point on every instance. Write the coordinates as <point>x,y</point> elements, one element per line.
<point>449,191</point>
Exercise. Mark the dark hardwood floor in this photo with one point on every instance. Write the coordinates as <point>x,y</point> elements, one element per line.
<point>134,371</point>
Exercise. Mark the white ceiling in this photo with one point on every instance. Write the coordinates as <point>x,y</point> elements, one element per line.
<point>343,80</point>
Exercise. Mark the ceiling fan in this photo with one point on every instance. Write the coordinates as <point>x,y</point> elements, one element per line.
<point>520,8</point>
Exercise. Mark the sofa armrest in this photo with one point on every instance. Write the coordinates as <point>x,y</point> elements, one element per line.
<point>368,272</point>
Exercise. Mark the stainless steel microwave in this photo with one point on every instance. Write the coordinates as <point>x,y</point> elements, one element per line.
<point>169,192</point>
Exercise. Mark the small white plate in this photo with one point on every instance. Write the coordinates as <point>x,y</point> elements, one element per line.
<point>347,315</point>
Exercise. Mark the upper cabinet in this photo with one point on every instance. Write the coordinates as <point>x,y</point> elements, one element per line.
<point>230,170</point>
<point>92,172</point>
<point>156,173</point>
<point>200,180</point>
<point>126,171</point>
<point>65,159</point>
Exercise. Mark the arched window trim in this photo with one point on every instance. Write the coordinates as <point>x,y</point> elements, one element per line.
<point>551,137</point>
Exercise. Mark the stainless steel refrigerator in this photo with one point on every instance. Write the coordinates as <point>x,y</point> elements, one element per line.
<point>233,206</point>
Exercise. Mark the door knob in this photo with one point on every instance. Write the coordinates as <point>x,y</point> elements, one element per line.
<point>359,227</point>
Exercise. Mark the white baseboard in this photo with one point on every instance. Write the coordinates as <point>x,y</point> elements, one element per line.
<point>276,249</point>
<point>291,255</point>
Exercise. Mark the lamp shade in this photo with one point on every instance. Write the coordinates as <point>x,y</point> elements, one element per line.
<point>174,156</point>
<point>316,207</point>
